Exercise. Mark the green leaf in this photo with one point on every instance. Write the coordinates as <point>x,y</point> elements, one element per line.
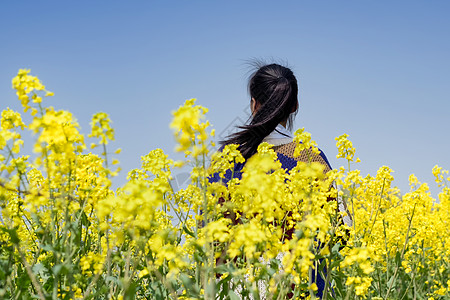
<point>190,285</point>
<point>84,220</point>
<point>398,260</point>
<point>211,288</point>
<point>336,248</point>
<point>391,281</point>
<point>38,268</point>
<point>339,284</point>
<point>57,269</point>
<point>186,280</point>
<point>130,293</point>
<point>188,231</point>
<point>23,280</point>
<point>233,295</point>
<point>221,269</point>
<point>48,248</point>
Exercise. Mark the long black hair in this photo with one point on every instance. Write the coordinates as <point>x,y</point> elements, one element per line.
<point>275,91</point>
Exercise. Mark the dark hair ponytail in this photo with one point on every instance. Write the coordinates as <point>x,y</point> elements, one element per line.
<point>275,91</point>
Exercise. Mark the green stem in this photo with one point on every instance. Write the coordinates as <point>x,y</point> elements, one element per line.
<point>402,253</point>
<point>30,273</point>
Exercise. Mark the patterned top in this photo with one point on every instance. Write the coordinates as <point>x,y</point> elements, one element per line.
<point>286,157</point>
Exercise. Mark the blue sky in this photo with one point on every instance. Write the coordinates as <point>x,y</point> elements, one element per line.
<point>376,70</point>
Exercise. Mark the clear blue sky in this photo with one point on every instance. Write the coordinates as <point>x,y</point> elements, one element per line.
<point>376,70</point>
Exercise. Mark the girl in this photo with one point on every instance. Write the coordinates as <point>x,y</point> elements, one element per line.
<point>274,103</point>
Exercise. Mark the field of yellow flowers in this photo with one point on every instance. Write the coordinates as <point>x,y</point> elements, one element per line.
<point>66,234</point>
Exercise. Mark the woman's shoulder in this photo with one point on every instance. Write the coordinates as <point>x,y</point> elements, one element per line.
<point>286,152</point>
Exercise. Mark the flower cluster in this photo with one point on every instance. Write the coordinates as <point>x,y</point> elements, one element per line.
<point>268,234</point>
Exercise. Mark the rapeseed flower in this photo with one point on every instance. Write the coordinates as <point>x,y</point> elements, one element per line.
<point>69,234</point>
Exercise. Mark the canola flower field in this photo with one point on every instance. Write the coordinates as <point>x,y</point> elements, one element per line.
<point>66,234</point>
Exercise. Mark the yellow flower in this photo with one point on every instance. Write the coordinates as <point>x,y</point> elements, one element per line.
<point>92,263</point>
<point>101,128</point>
<point>304,142</point>
<point>225,160</point>
<point>25,84</point>
<point>218,230</point>
<point>143,273</point>
<point>11,120</point>
<point>188,129</point>
<point>345,147</point>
